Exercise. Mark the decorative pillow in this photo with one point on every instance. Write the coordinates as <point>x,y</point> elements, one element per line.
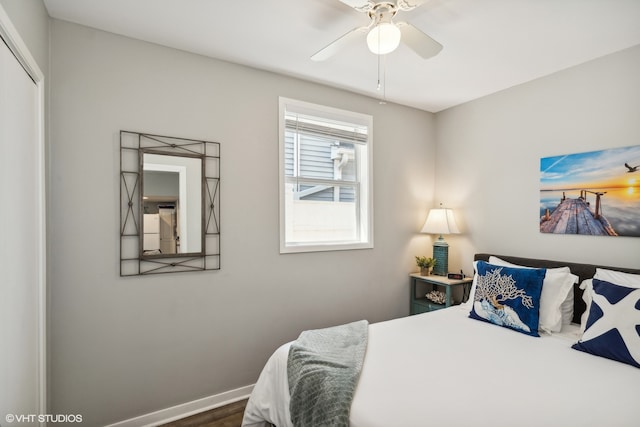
<point>556,300</point>
<point>613,326</point>
<point>611,276</point>
<point>508,296</point>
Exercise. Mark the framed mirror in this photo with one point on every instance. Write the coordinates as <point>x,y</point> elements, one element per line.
<point>169,204</point>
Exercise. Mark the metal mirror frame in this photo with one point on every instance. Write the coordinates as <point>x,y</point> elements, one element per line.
<point>133,146</point>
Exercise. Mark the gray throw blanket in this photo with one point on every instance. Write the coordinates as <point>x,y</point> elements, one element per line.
<point>323,368</point>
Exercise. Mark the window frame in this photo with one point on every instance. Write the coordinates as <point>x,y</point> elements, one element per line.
<point>364,179</point>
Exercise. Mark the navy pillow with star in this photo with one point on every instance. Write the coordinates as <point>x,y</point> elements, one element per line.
<point>613,325</point>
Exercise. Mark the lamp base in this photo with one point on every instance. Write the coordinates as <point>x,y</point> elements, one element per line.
<point>441,254</point>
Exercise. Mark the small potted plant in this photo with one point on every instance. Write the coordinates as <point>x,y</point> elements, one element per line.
<point>425,264</point>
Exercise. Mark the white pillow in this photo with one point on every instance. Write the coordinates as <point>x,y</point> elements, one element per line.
<point>556,300</point>
<point>468,305</point>
<point>611,276</point>
<point>567,306</point>
<point>618,277</point>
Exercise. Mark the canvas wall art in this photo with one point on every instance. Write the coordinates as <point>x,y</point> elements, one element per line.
<point>592,193</point>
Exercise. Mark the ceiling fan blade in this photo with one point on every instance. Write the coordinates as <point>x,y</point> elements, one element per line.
<point>418,41</point>
<point>409,4</point>
<point>333,48</point>
<point>359,5</point>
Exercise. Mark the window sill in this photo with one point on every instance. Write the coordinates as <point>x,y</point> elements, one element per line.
<point>288,249</point>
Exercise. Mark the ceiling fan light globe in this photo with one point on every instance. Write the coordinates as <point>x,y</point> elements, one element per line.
<point>383,38</point>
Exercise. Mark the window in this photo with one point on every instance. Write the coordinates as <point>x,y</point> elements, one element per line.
<point>325,178</point>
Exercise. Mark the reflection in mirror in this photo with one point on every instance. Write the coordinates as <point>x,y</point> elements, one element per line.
<point>169,204</point>
<point>172,205</point>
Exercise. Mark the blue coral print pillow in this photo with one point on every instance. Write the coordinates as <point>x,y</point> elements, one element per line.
<point>508,297</point>
<point>613,326</point>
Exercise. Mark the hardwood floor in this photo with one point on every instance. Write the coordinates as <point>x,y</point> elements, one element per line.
<point>225,416</point>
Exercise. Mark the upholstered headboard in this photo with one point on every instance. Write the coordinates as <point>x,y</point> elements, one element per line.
<point>583,271</point>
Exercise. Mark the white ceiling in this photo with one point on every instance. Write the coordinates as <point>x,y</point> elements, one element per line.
<point>489,45</point>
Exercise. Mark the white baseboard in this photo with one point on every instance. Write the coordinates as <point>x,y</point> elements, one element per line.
<point>184,410</point>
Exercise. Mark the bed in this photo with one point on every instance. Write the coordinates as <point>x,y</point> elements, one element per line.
<point>446,369</point>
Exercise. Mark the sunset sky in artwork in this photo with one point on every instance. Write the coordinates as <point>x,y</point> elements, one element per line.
<point>592,170</point>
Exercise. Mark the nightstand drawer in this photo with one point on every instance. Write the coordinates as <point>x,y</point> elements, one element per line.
<point>424,306</point>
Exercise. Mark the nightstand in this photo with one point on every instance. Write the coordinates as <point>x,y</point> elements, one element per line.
<point>421,285</point>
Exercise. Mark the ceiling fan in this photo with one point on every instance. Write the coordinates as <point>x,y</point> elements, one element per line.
<point>383,35</point>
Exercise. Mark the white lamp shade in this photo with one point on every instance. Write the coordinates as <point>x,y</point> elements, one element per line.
<point>440,221</point>
<point>383,38</point>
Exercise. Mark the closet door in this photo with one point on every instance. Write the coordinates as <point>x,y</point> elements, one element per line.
<point>21,241</point>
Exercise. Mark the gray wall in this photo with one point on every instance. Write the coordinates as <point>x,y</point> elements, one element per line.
<point>489,150</point>
<point>122,347</point>
<point>160,183</point>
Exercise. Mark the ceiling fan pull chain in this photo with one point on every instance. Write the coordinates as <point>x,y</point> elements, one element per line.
<point>382,82</point>
<point>378,87</point>
<point>384,79</point>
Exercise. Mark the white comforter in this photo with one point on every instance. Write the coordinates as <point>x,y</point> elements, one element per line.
<point>444,369</point>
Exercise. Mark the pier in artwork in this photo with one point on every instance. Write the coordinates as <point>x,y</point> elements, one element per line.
<point>573,216</point>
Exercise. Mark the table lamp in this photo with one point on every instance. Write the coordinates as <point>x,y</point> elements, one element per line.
<point>440,221</point>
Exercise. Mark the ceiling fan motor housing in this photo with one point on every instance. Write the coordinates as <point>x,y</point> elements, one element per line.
<point>382,12</point>
<point>384,36</point>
